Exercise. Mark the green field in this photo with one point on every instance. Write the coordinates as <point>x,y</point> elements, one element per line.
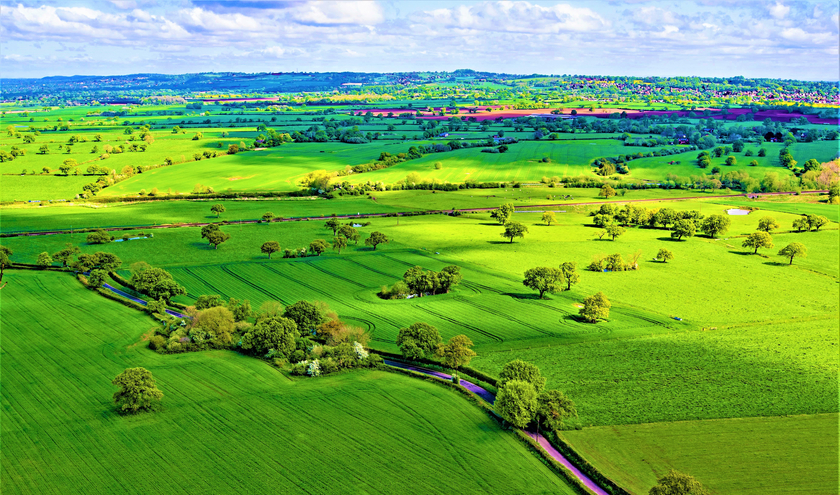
<point>229,423</point>
<point>750,456</point>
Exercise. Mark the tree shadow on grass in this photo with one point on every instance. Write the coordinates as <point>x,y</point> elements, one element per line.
<point>491,224</point>
<point>671,239</point>
<point>526,296</point>
<point>776,263</point>
<point>744,253</point>
<point>499,242</point>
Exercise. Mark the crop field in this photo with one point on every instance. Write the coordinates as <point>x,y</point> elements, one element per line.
<point>25,188</point>
<point>60,432</point>
<point>770,453</point>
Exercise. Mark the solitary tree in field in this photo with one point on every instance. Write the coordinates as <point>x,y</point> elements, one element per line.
<point>514,229</point>
<point>456,352</point>
<point>138,391</point>
<point>683,228</point>
<point>502,213</point>
<point>767,224</point>
<point>375,239</point>
<point>544,279</point>
<point>715,225</point>
<point>548,218</point>
<point>615,231</point>
<point>664,255</point>
<point>318,246</point>
<point>794,250</point>
<point>339,243</point>
<point>607,191</point>
<point>333,224</point>
<point>570,273</point>
<point>270,247</point>
<point>676,483</point>
<point>218,209</point>
<point>595,308</point>
<point>758,240</point>
<point>731,160</point>
<point>217,237</point>
<point>267,216</point>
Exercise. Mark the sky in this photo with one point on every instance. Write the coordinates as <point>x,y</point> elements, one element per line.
<point>788,39</point>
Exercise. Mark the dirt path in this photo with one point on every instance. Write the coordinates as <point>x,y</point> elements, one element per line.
<point>490,398</point>
<point>401,213</point>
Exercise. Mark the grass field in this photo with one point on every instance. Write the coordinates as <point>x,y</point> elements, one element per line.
<point>229,423</point>
<point>40,187</point>
<point>750,456</point>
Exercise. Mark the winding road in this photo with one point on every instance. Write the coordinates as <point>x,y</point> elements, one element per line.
<point>490,398</point>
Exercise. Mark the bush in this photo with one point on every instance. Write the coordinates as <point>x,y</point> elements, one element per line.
<point>158,342</point>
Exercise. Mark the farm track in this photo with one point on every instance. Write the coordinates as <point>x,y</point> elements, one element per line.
<point>401,213</point>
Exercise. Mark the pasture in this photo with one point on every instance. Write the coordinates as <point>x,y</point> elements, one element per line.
<point>228,423</point>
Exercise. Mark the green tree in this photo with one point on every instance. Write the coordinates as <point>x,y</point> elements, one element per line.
<point>596,307</point>
<point>66,255</point>
<point>767,224</point>
<point>157,283</point>
<point>516,403</point>
<point>44,259</point>
<point>683,228</point>
<point>307,316</point>
<point>570,273</point>
<point>522,371</point>
<point>816,221</point>
<point>208,229</point>
<point>333,224</point>
<point>97,278</point>
<point>217,237</point>
<point>607,191</point>
<point>138,391</point>
<point>758,240</point>
<point>44,149</point>
<point>514,229</point>
<point>318,246</point>
<point>99,236</point>
<point>5,259</point>
<point>731,160</point>
<point>544,279</point>
<point>418,340</point>
<point>271,333</point>
<point>449,277</point>
<point>793,250</point>
<point>664,255</point>
<point>548,218</point>
<point>676,483</point>
<point>753,163</point>
<point>456,352</point>
<point>715,225</point>
<point>615,231</point>
<point>801,224</point>
<point>503,213</point>
<point>209,301</point>
<point>350,233</point>
<point>218,322</point>
<point>665,216</point>
<point>218,209</point>
<point>339,243</point>
<point>553,407</point>
<point>375,239</point>
<point>267,217</point>
<point>269,248</point>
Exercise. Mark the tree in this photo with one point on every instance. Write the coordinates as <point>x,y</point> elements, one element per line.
<point>375,239</point>
<point>596,307</point>
<point>449,277</point>
<point>665,216</point>
<point>318,246</point>
<point>44,149</point>
<point>99,236</point>
<point>731,160</point>
<point>267,217</point>
<point>502,213</point>
<point>271,333</point>
<point>66,255</point>
<point>794,250</point>
<point>767,224</point>
<point>664,255</point>
<point>208,229</point>
<point>5,259</point>
<point>544,279</point>
<point>350,233</point>
<point>156,283</point>
<point>816,221</point>
<point>333,224</point>
<point>44,259</point>
<point>209,301</point>
<point>801,224</point>
<point>516,403</point>
<point>553,407</point>
<point>138,391</point>
<point>715,225</point>
<point>456,352</point>
<point>270,247</point>
<point>418,340</point>
<point>607,191</point>
<point>758,240</point>
<point>307,316</point>
<point>217,237</point>
<point>615,231</point>
<point>218,209</point>
<point>548,218</point>
<point>676,483</point>
<point>753,163</point>
<point>569,270</point>
<point>683,228</point>
<point>218,322</point>
<point>514,229</point>
<point>522,371</point>
<point>339,243</point>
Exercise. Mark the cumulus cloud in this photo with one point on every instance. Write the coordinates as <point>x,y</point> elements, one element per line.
<point>778,10</point>
<point>523,17</point>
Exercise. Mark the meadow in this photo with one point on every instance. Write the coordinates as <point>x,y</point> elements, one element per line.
<point>228,423</point>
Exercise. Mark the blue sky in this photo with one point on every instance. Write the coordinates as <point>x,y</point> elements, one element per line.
<point>785,38</point>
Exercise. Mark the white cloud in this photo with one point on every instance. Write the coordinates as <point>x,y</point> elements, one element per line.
<point>778,10</point>
<point>522,17</point>
<point>366,13</point>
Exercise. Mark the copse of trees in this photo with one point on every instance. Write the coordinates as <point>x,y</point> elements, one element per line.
<point>420,282</point>
<point>99,236</point>
<point>522,398</point>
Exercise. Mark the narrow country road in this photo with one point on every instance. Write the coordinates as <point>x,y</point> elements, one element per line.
<point>490,398</point>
